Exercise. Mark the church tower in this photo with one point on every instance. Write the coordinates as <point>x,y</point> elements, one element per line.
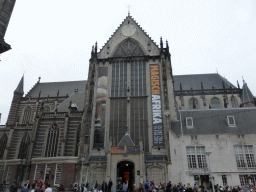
<point>128,107</point>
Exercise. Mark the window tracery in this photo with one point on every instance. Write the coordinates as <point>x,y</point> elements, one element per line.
<point>24,145</point>
<point>193,103</point>
<point>26,115</point>
<point>47,108</point>
<point>128,48</point>
<point>215,103</point>
<point>52,141</point>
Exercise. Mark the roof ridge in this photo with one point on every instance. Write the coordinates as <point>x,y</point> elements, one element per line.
<point>198,74</point>
<point>119,28</point>
<point>224,79</point>
<point>63,81</point>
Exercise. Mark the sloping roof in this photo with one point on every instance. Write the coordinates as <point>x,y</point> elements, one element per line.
<point>51,88</point>
<point>194,81</point>
<point>247,95</point>
<point>126,140</point>
<point>20,86</point>
<point>213,121</point>
<point>77,98</point>
<point>128,17</point>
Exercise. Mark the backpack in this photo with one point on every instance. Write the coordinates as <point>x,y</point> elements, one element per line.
<point>146,186</point>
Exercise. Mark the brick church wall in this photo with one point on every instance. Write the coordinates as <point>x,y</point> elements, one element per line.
<point>67,174</point>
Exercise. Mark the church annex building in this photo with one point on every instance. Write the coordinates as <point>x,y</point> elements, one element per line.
<point>131,119</point>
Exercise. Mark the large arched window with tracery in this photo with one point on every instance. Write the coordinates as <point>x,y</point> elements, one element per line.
<point>26,115</point>
<point>52,141</point>
<point>3,143</point>
<point>215,103</point>
<point>233,102</point>
<point>128,47</point>
<point>193,103</point>
<point>24,146</point>
<point>128,68</point>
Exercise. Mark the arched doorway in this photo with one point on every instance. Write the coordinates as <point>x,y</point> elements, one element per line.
<point>125,172</point>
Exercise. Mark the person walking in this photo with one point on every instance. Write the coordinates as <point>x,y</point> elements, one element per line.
<point>110,183</point>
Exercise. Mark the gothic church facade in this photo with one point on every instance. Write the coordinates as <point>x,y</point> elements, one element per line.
<point>124,121</point>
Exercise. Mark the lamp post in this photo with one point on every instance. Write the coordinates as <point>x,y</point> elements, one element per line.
<point>82,171</point>
<point>212,180</point>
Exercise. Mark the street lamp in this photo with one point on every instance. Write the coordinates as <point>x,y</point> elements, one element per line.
<point>82,171</point>
<point>212,180</point>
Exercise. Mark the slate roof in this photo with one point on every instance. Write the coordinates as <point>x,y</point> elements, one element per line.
<point>209,80</point>
<point>65,88</point>
<point>20,86</point>
<point>77,98</point>
<point>126,140</point>
<point>247,95</point>
<point>213,121</point>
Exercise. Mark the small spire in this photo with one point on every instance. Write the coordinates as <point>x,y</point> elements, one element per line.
<point>93,49</point>
<point>39,78</point>
<point>202,87</point>
<point>20,86</point>
<point>238,86</point>
<point>161,43</point>
<point>96,47</point>
<point>58,92</point>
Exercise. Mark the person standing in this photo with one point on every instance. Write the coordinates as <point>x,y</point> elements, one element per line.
<point>24,189</point>
<point>147,187</point>
<point>28,185</point>
<point>37,188</point>
<point>49,189</point>
<point>96,185</point>
<point>109,185</point>
<point>125,187</point>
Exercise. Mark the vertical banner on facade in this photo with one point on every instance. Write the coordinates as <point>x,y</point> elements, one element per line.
<point>101,98</point>
<point>157,115</point>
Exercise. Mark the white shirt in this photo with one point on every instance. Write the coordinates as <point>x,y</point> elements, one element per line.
<point>48,189</point>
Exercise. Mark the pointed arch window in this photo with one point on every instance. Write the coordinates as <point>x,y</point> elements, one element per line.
<point>52,141</point>
<point>24,146</point>
<point>215,103</point>
<point>193,103</point>
<point>26,115</point>
<point>47,108</point>
<point>233,102</point>
<point>128,47</point>
<point>3,143</point>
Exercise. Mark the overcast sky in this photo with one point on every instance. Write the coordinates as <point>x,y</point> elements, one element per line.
<point>53,38</point>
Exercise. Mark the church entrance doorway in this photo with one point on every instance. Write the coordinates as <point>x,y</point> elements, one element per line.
<point>125,173</point>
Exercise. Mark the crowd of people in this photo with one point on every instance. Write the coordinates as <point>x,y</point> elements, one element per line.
<point>41,186</point>
<point>37,186</point>
<point>104,187</point>
<point>162,187</point>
